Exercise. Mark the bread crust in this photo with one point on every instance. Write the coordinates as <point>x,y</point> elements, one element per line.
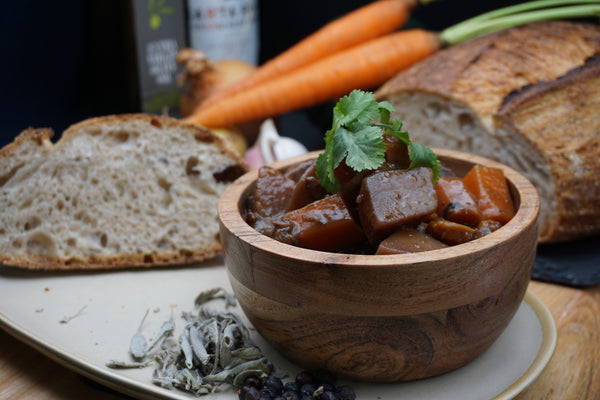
<point>34,144</point>
<point>163,259</point>
<point>562,119</point>
<point>483,71</point>
<point>159,121</point>
<point>542,81</point>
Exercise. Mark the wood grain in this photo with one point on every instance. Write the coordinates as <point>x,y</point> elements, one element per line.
<point>383,348</point>
<point>573,373</point>
<point>382,318</point>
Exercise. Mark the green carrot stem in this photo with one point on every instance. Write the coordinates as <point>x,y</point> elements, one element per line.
<point>527,6</point>
<point>468,29</point>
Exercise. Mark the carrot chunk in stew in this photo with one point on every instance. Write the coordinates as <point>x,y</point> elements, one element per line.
<point>325,225</point>
<point>455,203</point>
<point>450,232</point>
<point>489,187</point>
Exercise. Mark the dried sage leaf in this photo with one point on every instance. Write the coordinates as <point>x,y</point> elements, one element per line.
<point>186,348</point>
<point>198,348</point>
<point>166,329</point>
<point>137,345</point>
<point>213,294</point>
<point>246,353</point>
<point>115,364</point>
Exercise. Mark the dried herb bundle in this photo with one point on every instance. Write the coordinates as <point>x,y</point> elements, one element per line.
<point>214,348</point>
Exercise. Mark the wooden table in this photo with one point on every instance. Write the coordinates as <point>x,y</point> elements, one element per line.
<point>573,373</point>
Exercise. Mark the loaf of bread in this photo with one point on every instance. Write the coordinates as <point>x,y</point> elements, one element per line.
<point>528,97</point>
<point>114,192</point>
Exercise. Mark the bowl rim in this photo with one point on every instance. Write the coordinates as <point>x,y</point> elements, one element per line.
<point>231,219</point>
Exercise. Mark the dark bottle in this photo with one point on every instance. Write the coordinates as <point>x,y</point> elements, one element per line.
<point>131,59</point>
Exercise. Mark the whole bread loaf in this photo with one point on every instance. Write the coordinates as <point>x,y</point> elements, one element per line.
<point>118,191</point>
<point>528,97</point>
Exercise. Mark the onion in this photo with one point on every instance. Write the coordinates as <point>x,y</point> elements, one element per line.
<point>203,76</point>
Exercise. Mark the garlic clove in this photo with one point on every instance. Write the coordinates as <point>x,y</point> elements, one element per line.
<point>270,146</point>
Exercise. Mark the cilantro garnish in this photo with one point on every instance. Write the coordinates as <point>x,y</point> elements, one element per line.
<point>356,136</point>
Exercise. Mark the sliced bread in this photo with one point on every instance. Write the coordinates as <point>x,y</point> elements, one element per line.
<point>118,191</point>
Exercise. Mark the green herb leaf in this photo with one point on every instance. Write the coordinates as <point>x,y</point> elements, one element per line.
<point>325,169</point>
<point>386,108</point>
<point>358,108</point>
<point>395,129</point>
<point>356,137</point>
<point>362,150</point>
<point>423,156</point>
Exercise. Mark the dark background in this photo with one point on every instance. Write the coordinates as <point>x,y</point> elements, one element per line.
<point>65,61</point>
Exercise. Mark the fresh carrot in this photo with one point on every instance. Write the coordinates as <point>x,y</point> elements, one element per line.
<point>368,22</point>
<point>364,66</point>
<point>489,187</point>
<point>370,64</point>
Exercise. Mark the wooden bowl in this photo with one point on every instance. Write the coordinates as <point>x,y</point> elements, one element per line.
<point>382,318</point>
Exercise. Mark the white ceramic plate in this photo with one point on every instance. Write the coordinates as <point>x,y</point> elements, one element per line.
<point>112,304</point>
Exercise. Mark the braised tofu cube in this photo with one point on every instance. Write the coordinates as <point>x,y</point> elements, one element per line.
<point>407,240</point>
<point>269,200</point>
<point>295,172</point>
<point>308,189</point>
<point>272,193</point>
<point>396,151</point>
<point>391,199</point>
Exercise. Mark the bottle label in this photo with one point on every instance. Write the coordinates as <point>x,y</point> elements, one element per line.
<point>224,29</point>
<point>159,35</point>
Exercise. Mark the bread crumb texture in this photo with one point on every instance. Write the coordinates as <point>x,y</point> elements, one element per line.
<point>117,191</point>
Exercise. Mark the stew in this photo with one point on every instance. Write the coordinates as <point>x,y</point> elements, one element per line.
<point>389,210</point>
